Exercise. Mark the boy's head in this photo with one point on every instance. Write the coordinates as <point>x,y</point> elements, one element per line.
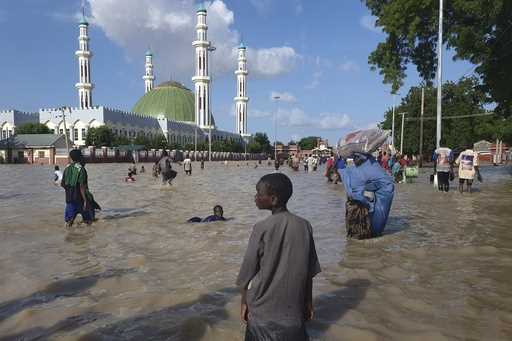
<point>273,190</point>
<point>218,211</point>
<point>75,155</point>
<point>57,168</point>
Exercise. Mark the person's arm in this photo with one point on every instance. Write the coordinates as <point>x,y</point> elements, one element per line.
<point>309,300</point>
<point>250,267</point>
<point>82,193</point>
<point>244,311</point>
<point>313,270</point>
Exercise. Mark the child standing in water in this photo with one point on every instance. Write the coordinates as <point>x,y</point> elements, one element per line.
<point>57,178</point>
<point>276,276</point>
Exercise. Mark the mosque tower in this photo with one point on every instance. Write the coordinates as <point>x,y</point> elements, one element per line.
<point>201,79</point>
<point>241,98</point>
<point>84,85</point>
<point>149,78</point>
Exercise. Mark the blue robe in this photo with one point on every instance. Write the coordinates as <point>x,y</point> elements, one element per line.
<point>370,176</point>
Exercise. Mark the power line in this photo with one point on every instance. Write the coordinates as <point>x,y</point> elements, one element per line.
<point>431,118</point>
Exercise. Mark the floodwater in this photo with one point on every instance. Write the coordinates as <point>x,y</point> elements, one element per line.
<point>442,271</point>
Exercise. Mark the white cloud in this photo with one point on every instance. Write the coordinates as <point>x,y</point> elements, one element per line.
<point>168,26</point>
<point>368,22</point>
<point>349,66</point>
<point>316,80</point>
<point>329,121</point>
<point>262,6</point>
<point>299,9</point>
<point>371,125</point>
<point>256,113</point>
<point>271,61</point>
<point>283,97</point>
<point>296,117</point>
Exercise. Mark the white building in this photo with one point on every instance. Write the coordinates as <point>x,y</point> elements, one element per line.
<point>148,77</point>
<point>202,79</point>
<point>9,119</point>
<point>241,98</point>
<point>84,55</point>
<point>169,108</point>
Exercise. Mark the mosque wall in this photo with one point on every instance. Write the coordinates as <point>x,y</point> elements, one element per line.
<point>9,119</point>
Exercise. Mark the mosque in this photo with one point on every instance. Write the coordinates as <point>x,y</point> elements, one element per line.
<point>169,108</point>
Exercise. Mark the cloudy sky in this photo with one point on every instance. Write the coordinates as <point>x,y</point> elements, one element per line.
<point>311,53</point>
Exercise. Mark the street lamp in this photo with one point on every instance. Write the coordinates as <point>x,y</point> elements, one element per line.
<point>275,98</point>
<point>210,49</point>
<point>402,133</point>
<point>393,121</point>
<point>439,74</point>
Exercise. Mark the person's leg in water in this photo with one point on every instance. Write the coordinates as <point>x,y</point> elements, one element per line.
<point>70,213</point>
<point>461,185</point>
<point>469,184</point>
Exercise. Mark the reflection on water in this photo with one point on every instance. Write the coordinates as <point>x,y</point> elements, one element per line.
<point>441,271</point>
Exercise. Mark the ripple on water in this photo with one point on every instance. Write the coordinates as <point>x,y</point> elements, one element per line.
<point>442,269</point>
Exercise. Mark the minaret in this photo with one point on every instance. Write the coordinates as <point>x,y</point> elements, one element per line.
<point>149,78</point>
<point>84,85</point>
<point>201,79</point>
<point>241,98</point>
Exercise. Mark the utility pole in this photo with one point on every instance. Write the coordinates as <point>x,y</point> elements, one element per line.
<point>393,123</point>
<point>210,49</point>
<point>402,133</point>
<point>276,98</point>
<point>420,161</point>
<point>63,115</point>
<point>439,74</point>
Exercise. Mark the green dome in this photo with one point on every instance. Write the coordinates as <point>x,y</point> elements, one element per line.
<point>171,99</point>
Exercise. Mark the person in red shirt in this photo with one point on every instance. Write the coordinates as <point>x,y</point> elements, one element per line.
<point>384,162</point>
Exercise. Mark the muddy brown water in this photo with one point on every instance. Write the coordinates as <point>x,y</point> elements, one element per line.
<point>442,271</point>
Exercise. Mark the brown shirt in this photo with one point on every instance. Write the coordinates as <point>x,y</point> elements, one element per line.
<point>280,259</point>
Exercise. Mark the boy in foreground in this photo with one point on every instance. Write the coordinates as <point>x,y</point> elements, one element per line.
<point>276,276</point>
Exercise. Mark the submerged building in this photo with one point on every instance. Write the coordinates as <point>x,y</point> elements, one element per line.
<point>168,109</point>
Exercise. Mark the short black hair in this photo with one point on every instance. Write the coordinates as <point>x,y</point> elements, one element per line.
<point>75,155</point>
<point>56,168</point>
<point>279,185</point>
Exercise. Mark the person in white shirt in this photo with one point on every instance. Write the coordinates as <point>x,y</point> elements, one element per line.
<point>468,167</point>
<point>187,166</point>
<point>443,167</point>
<point>57,176</point>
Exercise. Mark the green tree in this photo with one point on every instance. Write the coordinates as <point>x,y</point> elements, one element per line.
<point>477,31</point>
<point>100,137</point>
<point>142,140</point>
<point>308,143</point>
<point>33,128</point>
<point>260,144</point>
<point>121,140</point>
<point>160,142</point>
<point>464,97</point>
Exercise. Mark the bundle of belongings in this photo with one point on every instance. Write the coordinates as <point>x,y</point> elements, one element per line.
<point>362,141</point>
<point>369,188</point>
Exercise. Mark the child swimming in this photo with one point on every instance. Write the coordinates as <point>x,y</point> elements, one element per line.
<point>218,215</point>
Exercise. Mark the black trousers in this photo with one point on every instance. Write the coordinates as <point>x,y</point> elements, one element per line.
<point>443,181</point>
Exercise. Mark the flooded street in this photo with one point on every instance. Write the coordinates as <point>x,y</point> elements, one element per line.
<point>442,271</point>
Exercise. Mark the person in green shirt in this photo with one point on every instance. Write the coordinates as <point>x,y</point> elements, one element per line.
<point>74,182</point>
